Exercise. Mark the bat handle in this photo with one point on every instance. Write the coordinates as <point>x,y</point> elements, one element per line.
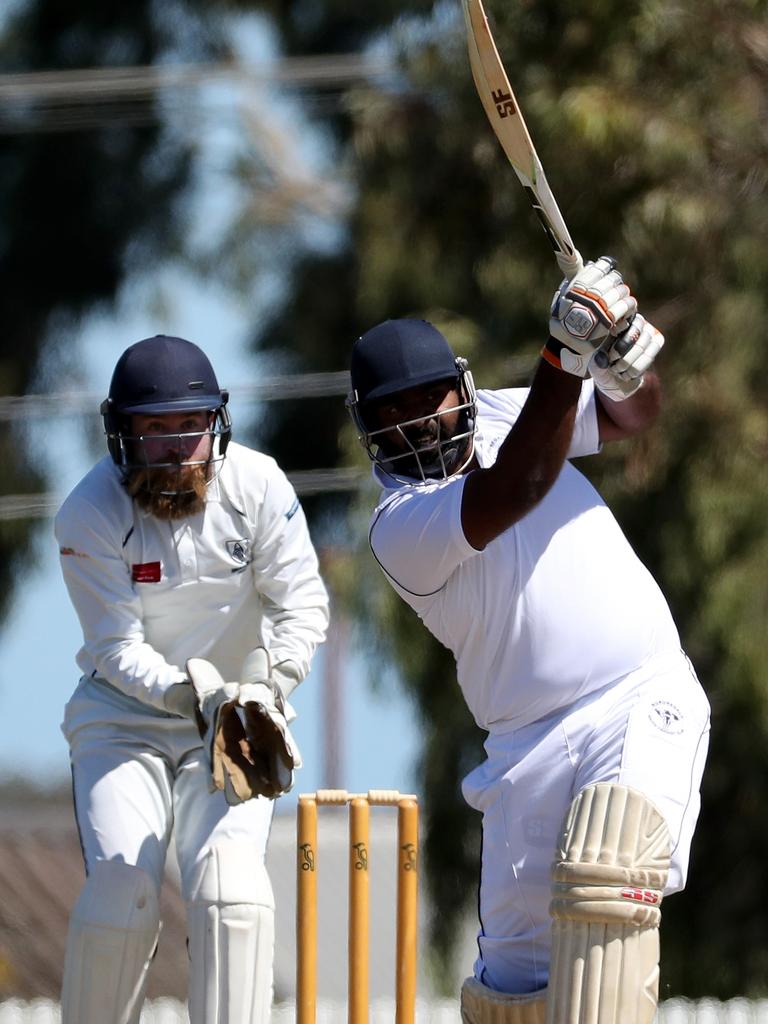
<point>621,346</point>
<point>601,356</point>
<point>570,265</point>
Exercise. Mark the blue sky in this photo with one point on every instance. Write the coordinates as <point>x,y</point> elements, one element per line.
<point>40,638</point>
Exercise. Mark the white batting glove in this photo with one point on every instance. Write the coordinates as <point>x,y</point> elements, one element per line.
<point>618,369</point>
<point>264,714</point>
<point>584,313</point>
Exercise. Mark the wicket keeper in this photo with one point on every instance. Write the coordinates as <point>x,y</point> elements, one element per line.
<point>189,564</point>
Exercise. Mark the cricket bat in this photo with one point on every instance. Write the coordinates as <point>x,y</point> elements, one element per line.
<point>506,119</point>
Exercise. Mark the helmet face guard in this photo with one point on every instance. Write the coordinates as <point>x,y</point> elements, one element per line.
<point>156,377</point>
<point>129,450</point>
<point>445,454</point>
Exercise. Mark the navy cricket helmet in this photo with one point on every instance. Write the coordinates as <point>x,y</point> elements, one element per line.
<point>400,354</point>
<point>160,375</point>
<point>397,355</point>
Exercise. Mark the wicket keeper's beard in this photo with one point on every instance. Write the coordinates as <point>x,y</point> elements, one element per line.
<point>172,492</point>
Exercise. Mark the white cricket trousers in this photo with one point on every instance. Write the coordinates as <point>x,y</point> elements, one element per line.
<point>137,777</point>
<point>649,731</point>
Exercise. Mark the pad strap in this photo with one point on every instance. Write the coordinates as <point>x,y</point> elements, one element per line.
<point>482,1005</point>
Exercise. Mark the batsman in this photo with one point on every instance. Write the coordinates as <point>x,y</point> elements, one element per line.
<point>566,652</point>
<point>189,564</point>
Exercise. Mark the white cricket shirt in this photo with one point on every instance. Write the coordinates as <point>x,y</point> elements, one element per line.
<point>151,593</point>
<point>556,607</point>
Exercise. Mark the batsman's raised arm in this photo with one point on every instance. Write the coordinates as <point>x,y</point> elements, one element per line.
<point>628,391</point>
<point>594,331</point>
<point>420,427</point>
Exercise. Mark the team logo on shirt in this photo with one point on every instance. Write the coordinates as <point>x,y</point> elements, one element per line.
<point>239,550</point>
<point>665,716</point>
<point>539,831</point>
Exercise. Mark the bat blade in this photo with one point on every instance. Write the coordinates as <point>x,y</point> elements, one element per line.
<point>506,119</point>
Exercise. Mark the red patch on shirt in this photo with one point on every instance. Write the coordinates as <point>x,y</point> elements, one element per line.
<point>146,572</point>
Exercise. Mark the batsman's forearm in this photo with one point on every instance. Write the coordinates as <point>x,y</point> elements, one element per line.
<point>618,420</point>
<point>529,460</point>
<point>537,445</point>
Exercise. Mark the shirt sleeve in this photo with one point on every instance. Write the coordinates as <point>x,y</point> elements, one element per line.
<point>417,539</point>
<point>99,585</point>
<point>500,409</point>
<point>287,576</point>
<point>586,437</point>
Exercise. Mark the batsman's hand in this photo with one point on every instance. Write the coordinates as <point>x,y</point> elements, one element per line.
<point>618,370</point>
<point>264,714</point>
<point>586,311</point>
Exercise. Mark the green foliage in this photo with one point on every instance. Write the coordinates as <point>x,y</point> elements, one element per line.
<point>650,120</point>
<point>332,26</point>
<point>651,128</point>
<point>77,209</point>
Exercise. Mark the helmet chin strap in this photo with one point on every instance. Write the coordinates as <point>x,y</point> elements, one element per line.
<point>469,453</point>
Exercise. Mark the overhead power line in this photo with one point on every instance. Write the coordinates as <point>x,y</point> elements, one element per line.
<point>91,98</point>
<point>100,85</point>
<point>269,389</point>
<point>307,482</point>
<point>67,100</point>
<point>27,506</point>
<point>277,387</point>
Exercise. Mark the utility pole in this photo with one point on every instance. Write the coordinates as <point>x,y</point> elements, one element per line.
<point>332,718</point>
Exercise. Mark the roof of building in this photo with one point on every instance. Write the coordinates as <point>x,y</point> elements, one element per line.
<point>41,873</point>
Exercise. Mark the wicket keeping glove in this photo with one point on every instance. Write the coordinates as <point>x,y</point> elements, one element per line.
<point>264,713</point>
<point>618,371</point>
<point>244,728</point>
<point>586,311</point>
<point>218,728</point>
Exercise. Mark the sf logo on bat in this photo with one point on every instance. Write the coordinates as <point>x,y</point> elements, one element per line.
<point>504,102</point>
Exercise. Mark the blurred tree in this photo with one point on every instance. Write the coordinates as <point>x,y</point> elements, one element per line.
<point>652,130</point>
<point>650,119</point>
<point>90,193</point>
<point>334,26</point>
<point>78,208</point>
